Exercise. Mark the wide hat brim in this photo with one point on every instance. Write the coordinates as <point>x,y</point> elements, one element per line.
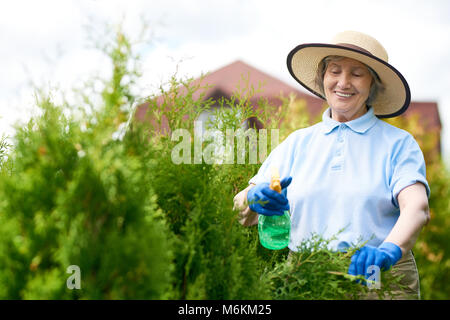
<point>303,61</point>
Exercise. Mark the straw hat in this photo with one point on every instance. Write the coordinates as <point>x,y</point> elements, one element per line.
<point>304,59</point>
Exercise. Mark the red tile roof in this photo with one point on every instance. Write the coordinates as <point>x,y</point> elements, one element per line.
<point>224,82</point>
<point>226,79</point>
<point>429,113</point>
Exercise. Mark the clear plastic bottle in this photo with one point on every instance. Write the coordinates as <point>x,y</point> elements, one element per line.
<point>274,231</point>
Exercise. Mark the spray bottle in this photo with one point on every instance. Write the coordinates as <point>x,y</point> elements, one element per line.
<point>274,231</point>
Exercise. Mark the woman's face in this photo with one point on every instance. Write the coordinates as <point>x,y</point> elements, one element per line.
<point>346,84</point>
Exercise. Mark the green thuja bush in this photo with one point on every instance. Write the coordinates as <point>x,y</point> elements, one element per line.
<point>432,250</point>
<point>214,258</point>
<point>4,145</point>
<point>315,272</point>
<point>73,193</point>
<point>100,189</point>
<point>79,198</point>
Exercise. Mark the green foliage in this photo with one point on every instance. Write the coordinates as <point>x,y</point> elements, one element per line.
<point>78,195</point>
<point>213,259</point>
<point>432,249</point>
<point>102,192</point>
<point>80,198</point>
<point>316,273</point>
<point>4,145</point>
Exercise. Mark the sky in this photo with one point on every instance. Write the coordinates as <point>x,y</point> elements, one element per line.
<point>46,43</point>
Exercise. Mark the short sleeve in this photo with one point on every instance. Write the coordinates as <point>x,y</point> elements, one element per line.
<point>408,168</point>
<point>282,157</point>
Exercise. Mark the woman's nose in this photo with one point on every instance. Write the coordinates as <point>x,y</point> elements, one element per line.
<point>343,81</point>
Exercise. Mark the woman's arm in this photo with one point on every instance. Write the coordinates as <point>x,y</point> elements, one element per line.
<point>414,215</point>
<point>247,217</point>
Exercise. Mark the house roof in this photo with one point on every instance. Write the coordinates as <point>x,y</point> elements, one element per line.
<point>224,81</point>
<point>428,111</point>
<point>228,77</point>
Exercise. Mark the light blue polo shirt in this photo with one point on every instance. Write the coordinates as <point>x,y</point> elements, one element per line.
<point>346,176</point>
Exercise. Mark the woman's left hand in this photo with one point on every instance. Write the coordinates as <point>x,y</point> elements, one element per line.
<point>384,257</point>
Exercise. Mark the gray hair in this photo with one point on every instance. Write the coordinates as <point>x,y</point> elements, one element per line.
<point>375,87</point>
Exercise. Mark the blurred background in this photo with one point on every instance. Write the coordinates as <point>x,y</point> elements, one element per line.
<point>46,43</point>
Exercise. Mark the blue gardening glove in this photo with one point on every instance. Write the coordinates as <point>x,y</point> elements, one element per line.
<point>268,202</point>
<point>385,256</point>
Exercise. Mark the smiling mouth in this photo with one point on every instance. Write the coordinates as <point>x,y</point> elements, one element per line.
<point>344,95</point>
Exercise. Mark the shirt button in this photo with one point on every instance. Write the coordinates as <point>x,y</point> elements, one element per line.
<point>336,167</point>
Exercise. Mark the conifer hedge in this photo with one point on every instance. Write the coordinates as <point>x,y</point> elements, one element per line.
<point>100,190</point>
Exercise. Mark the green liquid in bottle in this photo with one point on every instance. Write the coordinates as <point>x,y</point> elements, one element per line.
<point>274,231</point>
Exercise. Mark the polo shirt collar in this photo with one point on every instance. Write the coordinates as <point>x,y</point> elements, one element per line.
<point>359,125</point>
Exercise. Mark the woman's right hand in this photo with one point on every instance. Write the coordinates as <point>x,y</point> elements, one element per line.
<point>268,202</point>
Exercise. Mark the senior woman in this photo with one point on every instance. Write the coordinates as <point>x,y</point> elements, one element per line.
<point>352,174</point>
